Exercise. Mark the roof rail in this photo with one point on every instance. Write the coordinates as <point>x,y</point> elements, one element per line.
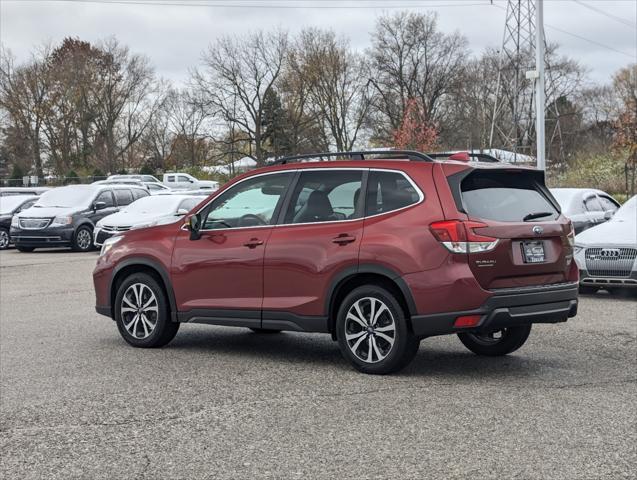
<point>482,157</point>
<point>358,155</point>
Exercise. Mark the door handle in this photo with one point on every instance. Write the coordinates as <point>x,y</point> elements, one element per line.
<point>253,243</point>
<point>344,239</point>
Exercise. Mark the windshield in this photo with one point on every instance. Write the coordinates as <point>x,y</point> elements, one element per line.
<point>9,203</point>
<point>159,205</point>
<point>71,196</point>
<point>627,212</point>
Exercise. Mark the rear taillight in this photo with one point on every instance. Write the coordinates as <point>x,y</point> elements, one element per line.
<point>460,237</point>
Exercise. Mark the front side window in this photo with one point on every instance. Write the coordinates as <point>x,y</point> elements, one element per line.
<point>107,198</point>
<point>123,197</point>
<point>608,204</point>
<point>592,204</point>
<point>183,179</point>
<point>387,191</point>
<point>325,196</point>
<point>250,203</point>
<point>139,193</point>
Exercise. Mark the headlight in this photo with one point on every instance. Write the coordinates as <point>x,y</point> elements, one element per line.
<point>14,221</point>
<point>108,244</point>
<point>61,221</point>
<point>144,225</point>
<point>577,249</point>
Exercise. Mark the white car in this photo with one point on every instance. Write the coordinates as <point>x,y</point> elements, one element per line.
<point>607,254</point>
<point>145,212</point>
<point>158,188</point>
<point>140,177</point>
<point>585,207</point>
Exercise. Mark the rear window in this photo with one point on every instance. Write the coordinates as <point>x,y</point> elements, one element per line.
<point>505,197</point>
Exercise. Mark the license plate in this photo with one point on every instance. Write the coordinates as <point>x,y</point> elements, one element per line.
<point>533,251</point>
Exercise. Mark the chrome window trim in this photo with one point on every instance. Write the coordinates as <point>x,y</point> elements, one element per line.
<point>421,198</point>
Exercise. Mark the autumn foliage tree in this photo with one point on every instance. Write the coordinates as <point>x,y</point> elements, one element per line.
<point>415,132</point>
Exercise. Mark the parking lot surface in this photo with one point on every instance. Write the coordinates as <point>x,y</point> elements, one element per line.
<point>78,402</point>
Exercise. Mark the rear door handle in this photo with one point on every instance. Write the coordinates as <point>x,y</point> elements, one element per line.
<point>344,239</point>
<point>253,243</point>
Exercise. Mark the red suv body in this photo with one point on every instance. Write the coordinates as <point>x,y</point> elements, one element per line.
<point>378,253</point>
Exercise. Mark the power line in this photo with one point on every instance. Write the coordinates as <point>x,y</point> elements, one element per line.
<point>607,14</point>
<point>594,42</point>
<point>262,4</point>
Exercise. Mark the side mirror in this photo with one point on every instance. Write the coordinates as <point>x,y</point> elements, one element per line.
<point>608,214</point>
<point>182,211</point>
<point>191,180</point>
<point>194,225</point>
<point>99,206</point>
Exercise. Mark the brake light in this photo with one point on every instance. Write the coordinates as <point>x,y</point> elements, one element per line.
<point>460,237</point>
<point>467,321</point>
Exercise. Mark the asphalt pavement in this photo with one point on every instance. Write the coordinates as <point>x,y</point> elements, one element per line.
<point>78,402</point>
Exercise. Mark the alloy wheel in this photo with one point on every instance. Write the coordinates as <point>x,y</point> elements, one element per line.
<point>4,239</point>
<point>370,329</point>
<point>84,239</point>
<point>139,311</point>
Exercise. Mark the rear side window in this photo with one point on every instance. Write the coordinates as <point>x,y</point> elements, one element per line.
<point>505,197</point>
<point>325,196</point>
<point>387,191</point>
<point>123,197</point>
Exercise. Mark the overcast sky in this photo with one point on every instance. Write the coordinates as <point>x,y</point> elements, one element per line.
<point>174,33</point>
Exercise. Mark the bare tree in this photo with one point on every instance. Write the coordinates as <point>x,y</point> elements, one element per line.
<point>23,94</point>
<point>236,75</point>
<point>411,58</point>
<point>337,84</point>
<point>187,116</point>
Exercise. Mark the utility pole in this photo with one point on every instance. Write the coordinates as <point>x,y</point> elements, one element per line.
<point>539,85</point>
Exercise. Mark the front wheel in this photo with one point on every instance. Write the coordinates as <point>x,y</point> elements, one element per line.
<point>373,333</point>
<point>497,342</point>
<point>83,239</point>
<point>142,313</point>
<point>4,238</point>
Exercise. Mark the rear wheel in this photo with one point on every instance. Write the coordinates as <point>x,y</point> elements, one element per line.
<point>497,342</point>
<point>83,239</point>
<point>142,313</point>
<point>4,238</point>
<point>373,333</point>
<point>25,249</point>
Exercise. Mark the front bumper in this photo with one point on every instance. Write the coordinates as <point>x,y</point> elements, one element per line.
<point>508,307</point>
<point>45,237</point>
<point>100,236</point>
<point>587,280</point>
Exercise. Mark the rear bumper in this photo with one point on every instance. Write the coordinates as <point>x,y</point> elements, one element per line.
<point>507,308</point>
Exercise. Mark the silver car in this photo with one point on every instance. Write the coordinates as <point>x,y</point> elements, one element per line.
<point>585,207</point>
<point>607,254</point>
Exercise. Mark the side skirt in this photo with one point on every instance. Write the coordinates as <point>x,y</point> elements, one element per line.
<point>256,319</point>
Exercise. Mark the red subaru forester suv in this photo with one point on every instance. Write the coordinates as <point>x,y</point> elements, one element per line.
<point>378,252</point>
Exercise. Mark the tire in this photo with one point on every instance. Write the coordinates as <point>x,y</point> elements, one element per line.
<point>264,330</point>
<point>25,249</point>
<point>485,344</point>
<point>357,337</point>
<point>82,240</point>
<point>4,238</point>
<point>155,328</point>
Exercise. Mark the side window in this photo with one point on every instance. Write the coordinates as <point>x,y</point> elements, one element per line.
<point>608,204</point>
<point>139,193</point>
<point>248,204</point>
<point>592,204</point>
<point>107,198</point>
<point>182,178</point>
<point>325,196</point>
<point>387,191</point>
<point>123,197</point>
<point>170,178</point>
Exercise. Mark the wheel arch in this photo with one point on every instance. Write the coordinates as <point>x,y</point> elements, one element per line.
<point>351,278</point>
<point>143,265</point>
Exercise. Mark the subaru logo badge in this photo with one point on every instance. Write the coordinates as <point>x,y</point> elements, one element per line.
<point>538,230</point>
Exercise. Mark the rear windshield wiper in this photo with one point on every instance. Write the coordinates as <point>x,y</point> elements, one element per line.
<point>533,216</point>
